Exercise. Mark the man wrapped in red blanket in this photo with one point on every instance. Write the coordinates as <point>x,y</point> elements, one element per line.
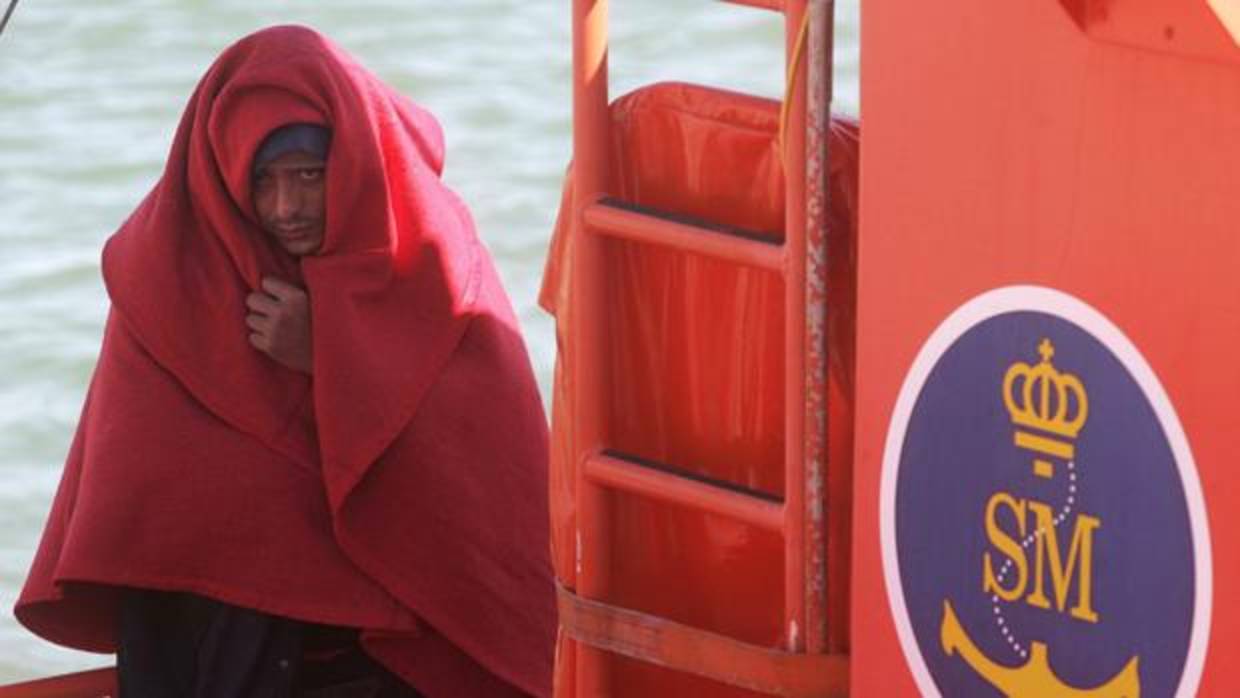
<point>312,438</point>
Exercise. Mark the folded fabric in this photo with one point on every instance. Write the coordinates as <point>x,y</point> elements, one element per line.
<point>401,490</point>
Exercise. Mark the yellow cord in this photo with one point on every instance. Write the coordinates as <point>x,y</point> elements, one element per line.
<point>793,68</point>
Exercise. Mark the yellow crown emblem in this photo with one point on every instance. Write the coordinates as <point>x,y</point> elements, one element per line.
<point>1042,398</point>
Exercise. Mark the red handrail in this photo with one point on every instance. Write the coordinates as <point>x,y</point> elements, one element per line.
<point>98,683</point>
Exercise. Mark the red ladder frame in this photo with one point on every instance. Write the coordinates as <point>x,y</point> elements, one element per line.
<point>807,664</point>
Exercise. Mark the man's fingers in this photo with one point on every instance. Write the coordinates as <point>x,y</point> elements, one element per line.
<point>260,341</point>
<point>261,303</point>
<point>282,290</point>
<point>258,323</point>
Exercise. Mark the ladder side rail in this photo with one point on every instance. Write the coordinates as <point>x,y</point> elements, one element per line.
<point>591,167</point>
<point>793,146</point>
<point>815,406</point>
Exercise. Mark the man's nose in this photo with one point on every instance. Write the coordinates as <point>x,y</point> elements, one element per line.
<point>288,198</point>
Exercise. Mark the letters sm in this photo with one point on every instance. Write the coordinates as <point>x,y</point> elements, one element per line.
<point>1048,558</point>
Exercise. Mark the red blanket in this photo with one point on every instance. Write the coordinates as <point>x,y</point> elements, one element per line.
<point>402,490</point>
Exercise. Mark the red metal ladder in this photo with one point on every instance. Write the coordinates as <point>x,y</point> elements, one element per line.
<point>806,664</point>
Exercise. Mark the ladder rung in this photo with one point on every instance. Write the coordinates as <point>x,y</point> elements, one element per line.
<point>777,5</point>
<point>624,223</point>
<point>666,643</point>
<point>658,483</point>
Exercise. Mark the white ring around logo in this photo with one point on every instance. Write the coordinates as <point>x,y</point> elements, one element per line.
<point>1040,299</point>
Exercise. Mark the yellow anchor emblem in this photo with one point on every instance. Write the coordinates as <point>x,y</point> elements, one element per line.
<point>1035,679</point>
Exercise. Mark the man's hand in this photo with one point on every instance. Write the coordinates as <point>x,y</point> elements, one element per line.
<point>279,322</point>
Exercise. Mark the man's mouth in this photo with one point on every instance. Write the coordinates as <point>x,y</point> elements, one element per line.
<point>294,233</point>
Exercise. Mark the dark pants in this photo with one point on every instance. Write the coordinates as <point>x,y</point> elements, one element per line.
<point>175,645</point>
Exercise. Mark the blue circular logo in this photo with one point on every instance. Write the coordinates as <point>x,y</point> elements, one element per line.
<point>1043,527</point>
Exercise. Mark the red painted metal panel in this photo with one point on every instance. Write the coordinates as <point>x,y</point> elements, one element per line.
<point>1190,28</point>
<point>1005,146</point>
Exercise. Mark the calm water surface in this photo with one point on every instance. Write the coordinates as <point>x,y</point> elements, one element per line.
<point>90,94</point>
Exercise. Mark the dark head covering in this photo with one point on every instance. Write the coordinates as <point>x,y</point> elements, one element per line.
<point>310,138</point>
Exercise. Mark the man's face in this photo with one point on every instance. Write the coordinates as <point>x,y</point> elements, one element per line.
<point>290,198</point>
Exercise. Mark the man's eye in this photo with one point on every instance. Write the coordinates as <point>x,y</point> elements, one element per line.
<point>311,175</point>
